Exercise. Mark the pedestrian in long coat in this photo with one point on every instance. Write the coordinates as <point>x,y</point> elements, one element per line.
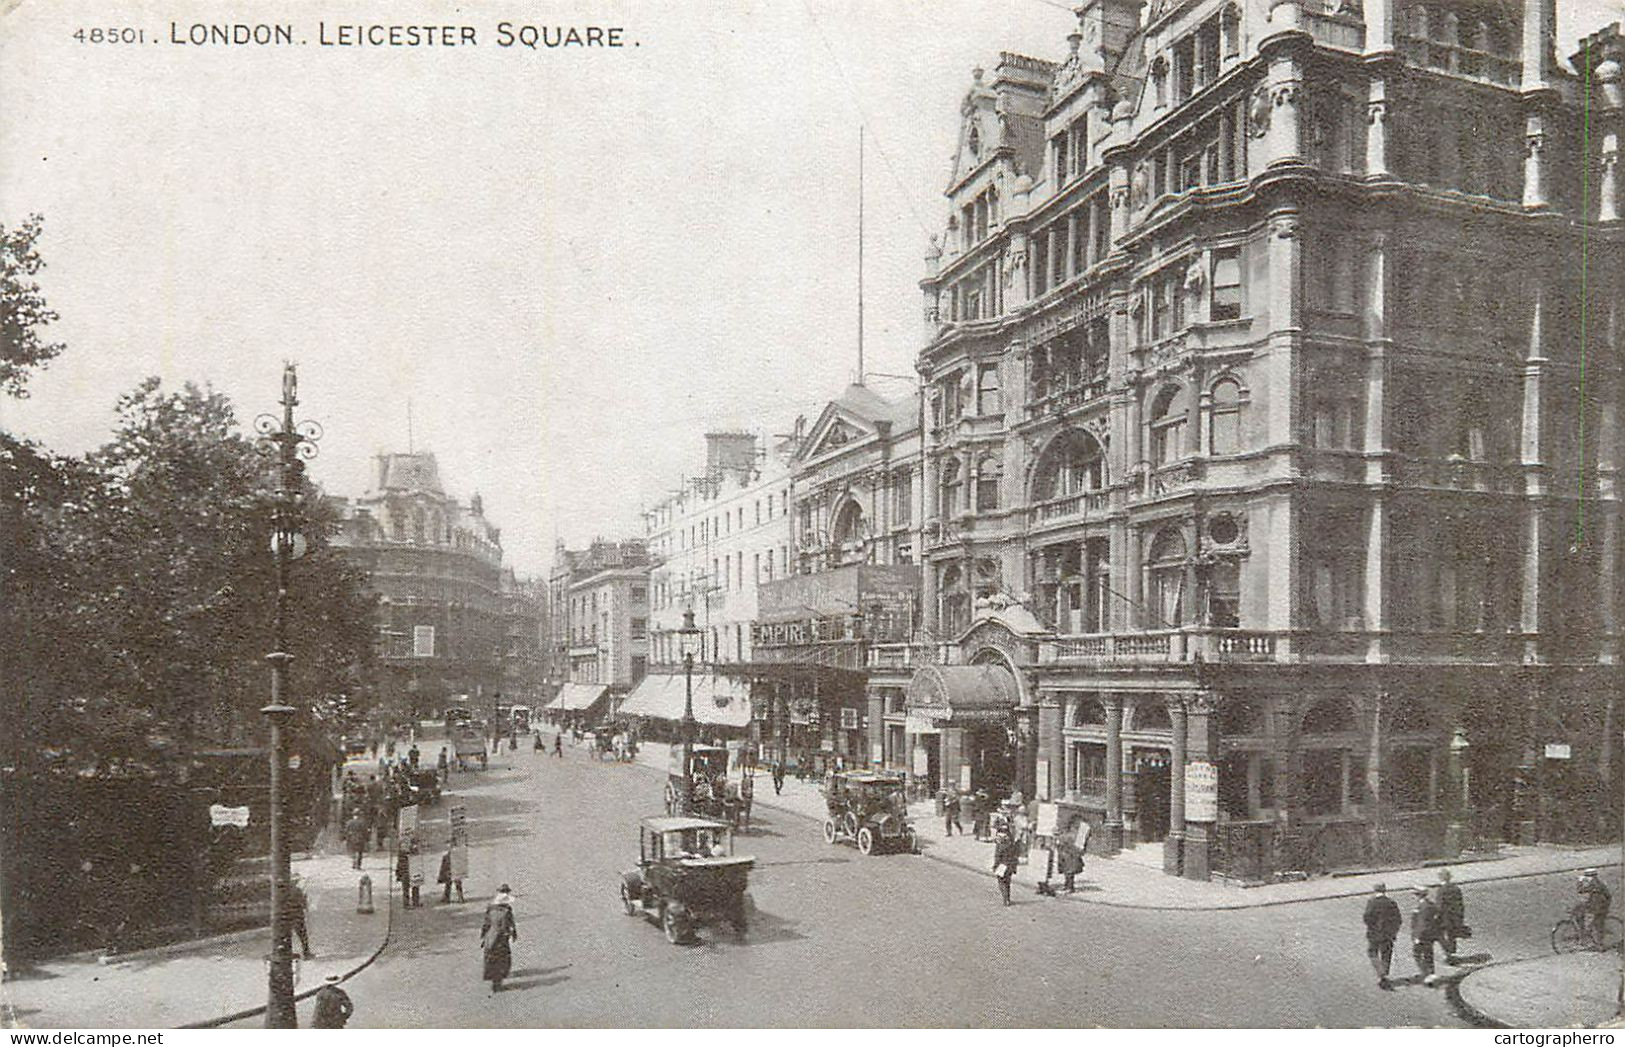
<point>1006,853</point>
<point>1382,924</point>
<point>356,831</point>
<point>1069,859</point>
<point>950,813</point>
<point>496,935</point>
<point>1452,915</point>
<point>333,1006</point>
<point>1424,932</point>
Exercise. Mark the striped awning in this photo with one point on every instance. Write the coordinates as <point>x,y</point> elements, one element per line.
<point>718,701</point>
<point>574,697</point>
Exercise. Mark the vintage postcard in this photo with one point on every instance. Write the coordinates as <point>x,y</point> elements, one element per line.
<point>809,514</point>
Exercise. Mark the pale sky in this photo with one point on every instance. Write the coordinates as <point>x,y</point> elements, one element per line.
<point>571,263</point>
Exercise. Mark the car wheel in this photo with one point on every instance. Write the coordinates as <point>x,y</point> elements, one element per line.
<point>829,830</point>
<point>866,840</point>
<point>628,901</point>
<point>851,824</point>
<point>676,928</point>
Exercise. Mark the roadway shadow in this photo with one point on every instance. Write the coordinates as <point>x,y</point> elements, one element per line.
<point>803,861</point>
<point>1472,958</point>
<point>534,977</point>
<point>764,929</point>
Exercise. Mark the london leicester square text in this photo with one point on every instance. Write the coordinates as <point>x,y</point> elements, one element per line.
<point>506,34</point>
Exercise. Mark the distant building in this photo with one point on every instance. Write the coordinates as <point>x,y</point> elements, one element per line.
<point>856,515</point>
<point>598,622</point>
<point>436,565</point>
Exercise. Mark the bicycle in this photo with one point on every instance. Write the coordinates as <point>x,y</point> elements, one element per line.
<point>1569,936</point>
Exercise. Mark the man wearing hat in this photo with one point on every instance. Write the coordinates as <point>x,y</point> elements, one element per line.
<point>1424,932</point>
<point>1592,911</point>
<point>1452,915</point>
<point>333,1006</point>
<point>1382,924</point>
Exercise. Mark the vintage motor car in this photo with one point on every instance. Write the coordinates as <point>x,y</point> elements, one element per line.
<point>869,809</point>
<point>688,877</point>
<point>701,785</point>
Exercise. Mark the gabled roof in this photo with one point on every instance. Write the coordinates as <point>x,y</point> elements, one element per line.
<point>849,417</point>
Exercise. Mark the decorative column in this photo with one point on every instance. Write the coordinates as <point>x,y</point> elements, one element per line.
<point>1608,209</point>
<point>1283,49</point>
<point>1379,463</point>
<point>1197,727</point>
<point>1172,846</point>
<point>1069,758</point>
<point>1119,196</point>
<point>877,729</point>
<point>1112,832</point>
<point>1373,777</point>
<point>1534,471</point>
<point>1051,748</point>
<point>953,755</point>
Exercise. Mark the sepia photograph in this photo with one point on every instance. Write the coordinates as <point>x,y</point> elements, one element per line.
<point>811,515</point>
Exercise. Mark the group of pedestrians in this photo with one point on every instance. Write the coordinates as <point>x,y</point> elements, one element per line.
<point>1438,918</point>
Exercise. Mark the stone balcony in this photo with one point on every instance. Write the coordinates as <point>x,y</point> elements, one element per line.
<point>1340,646</point>
<point>909,655</point>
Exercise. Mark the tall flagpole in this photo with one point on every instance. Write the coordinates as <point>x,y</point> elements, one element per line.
<point>860,254</point>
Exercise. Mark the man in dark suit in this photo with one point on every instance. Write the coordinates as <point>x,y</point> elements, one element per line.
<point>1382,924</point>
<point>1452,915</point>
<point>1424,932</point>
<point>1005,856</point>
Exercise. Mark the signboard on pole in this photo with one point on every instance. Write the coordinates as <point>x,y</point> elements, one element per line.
<point>1558,751</point>
<point>1049,819</point>
<point>220,814</point>
<point>1201,792</point>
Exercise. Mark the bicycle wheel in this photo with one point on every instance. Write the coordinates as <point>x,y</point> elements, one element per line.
<point>1613,933</point>
<point>1567,936</point>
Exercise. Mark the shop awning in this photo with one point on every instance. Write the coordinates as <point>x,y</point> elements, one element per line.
<point>718,701</point>
<point>961,693</point>
<point>574,697</point>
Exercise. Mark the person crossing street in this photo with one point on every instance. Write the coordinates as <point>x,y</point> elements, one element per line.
<point>333,1006</point>
<point>1382,924</point>
<point>1452,916</point>
<point>1424,932</point>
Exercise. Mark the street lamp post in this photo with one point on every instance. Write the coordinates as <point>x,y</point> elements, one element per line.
<point>291,443</point>
<point>688,640</point>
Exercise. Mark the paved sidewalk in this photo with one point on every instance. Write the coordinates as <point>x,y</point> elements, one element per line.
<point>1548,992</point>
<point>1134,878</point>
<point>195,982</point>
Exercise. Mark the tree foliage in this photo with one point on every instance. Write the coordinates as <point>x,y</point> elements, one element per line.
<point>143,590</point>
<point>23,311</point>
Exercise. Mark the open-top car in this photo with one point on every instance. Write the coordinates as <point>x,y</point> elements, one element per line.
<point>687,877</point>
<point>699,786</point>
<point>869,809</point>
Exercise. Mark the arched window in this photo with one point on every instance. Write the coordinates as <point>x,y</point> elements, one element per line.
<point>1073,463</point>
<point>1166,567</point>
<point>1151,715</point>
<point>849,524</point>
<point>417,524</point>
<point>1168,418</point>
<point>1329,716</point>
<point>1238,716</point>
<point>952,483</point>
<point>1089,713</point>
<point>989,474</point>
<point>1224,423</point>
<point>1159,81</point>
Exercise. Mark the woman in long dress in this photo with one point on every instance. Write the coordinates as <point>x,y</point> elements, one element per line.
<point>496,933</point>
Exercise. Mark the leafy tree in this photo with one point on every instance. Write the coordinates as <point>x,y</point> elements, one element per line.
<point>23,311</point>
